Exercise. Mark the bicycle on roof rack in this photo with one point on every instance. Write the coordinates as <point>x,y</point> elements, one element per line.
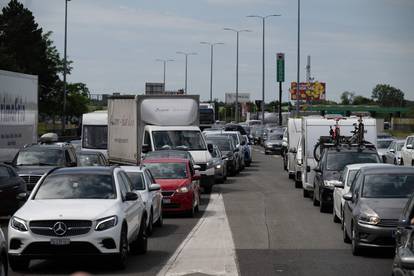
<point>335,139</point>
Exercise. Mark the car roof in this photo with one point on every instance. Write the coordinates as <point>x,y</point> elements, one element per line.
<point>166,160</point>
<point>133,168</point>
<point>88,152</point>
<point>101,170</point>
<point>387,170</point>
<point>45,146</point>
<point>361,165</point>
<point>351,148</point>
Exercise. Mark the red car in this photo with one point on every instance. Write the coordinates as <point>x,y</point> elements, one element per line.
<point>179,182</point>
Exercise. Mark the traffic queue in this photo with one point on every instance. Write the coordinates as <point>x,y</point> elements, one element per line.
<point>80,204</point>
<point>340,164</point>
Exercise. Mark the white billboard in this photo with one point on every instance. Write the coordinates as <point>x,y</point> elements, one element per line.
<point>243,98</point>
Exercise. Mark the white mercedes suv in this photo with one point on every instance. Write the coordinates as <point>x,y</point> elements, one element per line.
<point>83,211</point>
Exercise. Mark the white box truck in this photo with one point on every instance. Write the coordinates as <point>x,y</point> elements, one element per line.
<point>313,127</point>
<point>137,124</point>
<point>94,135</point>
<point>18,112</point>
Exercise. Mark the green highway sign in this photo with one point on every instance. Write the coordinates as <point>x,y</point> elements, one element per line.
<point>280,65</point>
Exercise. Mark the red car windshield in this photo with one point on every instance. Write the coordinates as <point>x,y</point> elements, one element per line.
<point>168,170</point>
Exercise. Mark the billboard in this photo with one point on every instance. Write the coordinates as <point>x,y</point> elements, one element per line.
<point>309,91</point>
<point>243,98</point>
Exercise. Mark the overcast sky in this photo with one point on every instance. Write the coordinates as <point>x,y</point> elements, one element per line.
<point>354,44</point>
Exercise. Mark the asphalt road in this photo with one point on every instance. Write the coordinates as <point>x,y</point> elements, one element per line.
<point>161,246</point>
<point>278,232</point>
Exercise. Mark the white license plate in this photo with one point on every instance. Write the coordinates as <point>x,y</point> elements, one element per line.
<point>59,241</point>
<point>166,200</point>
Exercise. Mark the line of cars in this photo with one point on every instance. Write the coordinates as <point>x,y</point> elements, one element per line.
<point>373,201</point>
<point>78,205</point>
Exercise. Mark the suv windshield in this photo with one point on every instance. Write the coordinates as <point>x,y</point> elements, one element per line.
<point>336,161</point>
<point>178,139</point>
<point>168,170</point>
<point>80,186</point>
<point>40,157</point>
<point>275,137</point>
<point>95,137</point>
<point>388,186</point>
<point>88,160</point>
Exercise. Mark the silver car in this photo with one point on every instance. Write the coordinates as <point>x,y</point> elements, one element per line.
<point>220,165</point>
<point>393,153</point>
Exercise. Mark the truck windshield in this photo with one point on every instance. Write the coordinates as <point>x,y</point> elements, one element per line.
<point>206,116</point>
<point>95,137</point>
<point>178,139</point>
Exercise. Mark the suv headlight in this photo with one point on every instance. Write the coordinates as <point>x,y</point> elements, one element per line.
<point>369,219</point>
<point>218,166</point>
<point>183,190</point>
<point>18,224</point>
<point>106,223</point>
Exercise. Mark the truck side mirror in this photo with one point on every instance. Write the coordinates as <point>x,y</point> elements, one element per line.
<point>145,148</point>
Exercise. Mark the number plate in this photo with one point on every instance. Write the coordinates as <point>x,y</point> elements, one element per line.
<point>166,200</point>
<point>59,241</point>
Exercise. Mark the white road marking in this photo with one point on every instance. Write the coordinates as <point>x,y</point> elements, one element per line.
<point>208,248</point>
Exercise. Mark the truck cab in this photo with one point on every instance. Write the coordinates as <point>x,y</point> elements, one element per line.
<point>94,135</point>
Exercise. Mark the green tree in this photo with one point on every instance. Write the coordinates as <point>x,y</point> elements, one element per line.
<point>361,100</point>
<point>25,49</point>
<point>347,98</point>
<point>77,99</point>
<point>387,95</point>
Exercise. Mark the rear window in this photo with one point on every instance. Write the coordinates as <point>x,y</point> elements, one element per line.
<point>168,170</point>
<point>388,186</point>
<point>336,161</point>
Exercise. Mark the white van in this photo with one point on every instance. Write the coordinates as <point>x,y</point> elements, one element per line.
<point>95,132</point>
<point>313,127</point>
<point>294,132</point>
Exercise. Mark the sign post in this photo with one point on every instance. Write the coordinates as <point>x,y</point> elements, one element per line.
<point>280,64</point>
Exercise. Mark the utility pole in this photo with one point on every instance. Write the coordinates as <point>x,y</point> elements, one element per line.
<point>186,62</point>
<point>263,18</point>
<point>298,65</point>
<point>211,64</point>
<point>237,70</point>
<point>164,61</point>
<point>65,68</point>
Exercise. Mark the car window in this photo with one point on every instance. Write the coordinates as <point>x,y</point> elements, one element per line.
<point>137,180</point>
<point>148,179</point>
<point>336,161</point>
<point>127,181</point>
<point>351,177</point>
<point>168,170</point>
<point>79,186</point>
<point>388,186</point>
<point>67,157</point>
<point>5,172</point>
<point>147,139</point>
<point>355,184</point>
<point>343,175</point>
<point>123,187</point>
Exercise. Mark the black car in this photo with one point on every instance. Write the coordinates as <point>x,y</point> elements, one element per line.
<point>332,162</point>
<point>34,161</point>
<point>404,239</point>
<point>228,150</point>
<point>374,204</point>
<point>235,127</point>
<point>12,190</point>
<point>91,158</point>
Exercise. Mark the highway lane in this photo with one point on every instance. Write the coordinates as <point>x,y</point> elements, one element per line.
<point>278,232</point>
<point>161,246</point>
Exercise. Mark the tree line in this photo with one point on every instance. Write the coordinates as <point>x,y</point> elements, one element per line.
<point>26,48</point>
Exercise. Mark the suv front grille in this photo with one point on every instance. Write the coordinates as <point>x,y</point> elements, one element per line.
<point>388,222</point>
<point>48,227</point>
<point>30,180</point>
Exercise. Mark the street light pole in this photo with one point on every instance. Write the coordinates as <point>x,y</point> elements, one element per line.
<point>298,65</point>
<point>186,62</point>
<point>65,68</point>
<point>164,61</point>
<point>237,70</point>
<point>263,58</point>
<point>211,65</point>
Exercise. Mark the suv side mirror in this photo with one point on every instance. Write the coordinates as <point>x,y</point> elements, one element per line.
<point>130,196</point>
<point>409,147</point>
<point>392,150</point>
<point>348,196</point>
<point>145,148</point>
<point>210,148</point>
<point>154,187</point>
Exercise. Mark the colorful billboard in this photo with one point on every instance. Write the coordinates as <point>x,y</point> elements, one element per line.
<point>308,91</point>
